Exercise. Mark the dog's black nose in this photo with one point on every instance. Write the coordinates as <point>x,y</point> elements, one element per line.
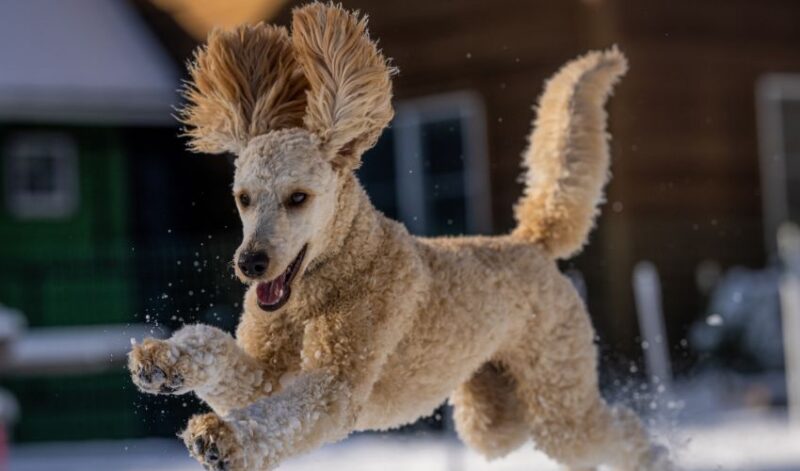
<point>253,264</point>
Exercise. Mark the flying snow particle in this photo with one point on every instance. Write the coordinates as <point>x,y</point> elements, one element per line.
<point>714,320</point>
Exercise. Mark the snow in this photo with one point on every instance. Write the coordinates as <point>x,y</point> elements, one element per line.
<point>735,441</point>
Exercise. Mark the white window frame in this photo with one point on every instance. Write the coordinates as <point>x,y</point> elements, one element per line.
<point>60,203</point>
<point>409,168</point>
<point>771,91</point>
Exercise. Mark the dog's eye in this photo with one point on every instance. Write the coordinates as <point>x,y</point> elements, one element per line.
<point>297,198</point>
<point>244,199</point>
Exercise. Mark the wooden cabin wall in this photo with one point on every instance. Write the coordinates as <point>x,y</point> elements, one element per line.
<point>685,137</point>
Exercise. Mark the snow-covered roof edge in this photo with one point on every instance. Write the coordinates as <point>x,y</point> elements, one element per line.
<point>83,61</point>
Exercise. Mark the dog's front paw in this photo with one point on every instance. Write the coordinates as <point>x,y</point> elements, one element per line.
<point>212,442</point>
<point>159,367</point>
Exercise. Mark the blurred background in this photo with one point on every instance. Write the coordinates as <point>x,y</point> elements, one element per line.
<point>110,230</point>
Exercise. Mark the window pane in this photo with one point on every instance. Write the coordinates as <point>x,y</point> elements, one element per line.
<point>38,174</point>
<point>448,216</point>
<point>377,174</point>
<point>790,114</point>
<point>442,146</point>
<point>793,195</point>
<point>445,192</point>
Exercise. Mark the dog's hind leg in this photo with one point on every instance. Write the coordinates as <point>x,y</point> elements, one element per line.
<point>488,415</point>
<point>554,364</point>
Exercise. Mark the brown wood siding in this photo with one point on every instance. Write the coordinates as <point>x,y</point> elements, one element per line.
<point>686,144</point>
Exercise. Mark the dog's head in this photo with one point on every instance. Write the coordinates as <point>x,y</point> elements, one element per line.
<point>298,111</point>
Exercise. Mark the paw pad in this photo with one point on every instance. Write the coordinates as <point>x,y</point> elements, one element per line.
<point>209,455</point>
<point>211,442</point>
<point>153,369</point>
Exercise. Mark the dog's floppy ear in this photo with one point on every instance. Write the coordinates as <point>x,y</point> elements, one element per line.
<point>350,89</point>
<point>244,83</point>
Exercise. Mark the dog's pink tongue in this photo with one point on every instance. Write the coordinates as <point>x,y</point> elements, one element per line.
<point>271,292</point>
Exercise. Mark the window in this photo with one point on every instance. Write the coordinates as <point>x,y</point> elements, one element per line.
<point>41,175</point>
<point>778,106</point>
<point>430,170</point>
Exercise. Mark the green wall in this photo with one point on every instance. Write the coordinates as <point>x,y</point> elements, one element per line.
<point>74,271</point>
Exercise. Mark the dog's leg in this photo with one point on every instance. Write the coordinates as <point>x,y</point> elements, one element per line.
<point>555,366</point>
<point>342,359</point>
<point>488,415</point>
<point>203,359</point>
<point>311,411</point>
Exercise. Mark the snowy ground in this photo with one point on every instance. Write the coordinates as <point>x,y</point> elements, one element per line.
<point>736,442</point>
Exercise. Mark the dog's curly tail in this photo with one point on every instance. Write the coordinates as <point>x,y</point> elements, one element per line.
<point>567,160</point>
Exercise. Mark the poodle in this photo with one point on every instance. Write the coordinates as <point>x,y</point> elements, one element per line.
<point>350,323</point>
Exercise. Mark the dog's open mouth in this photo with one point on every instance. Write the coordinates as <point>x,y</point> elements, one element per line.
<point>274,294</point>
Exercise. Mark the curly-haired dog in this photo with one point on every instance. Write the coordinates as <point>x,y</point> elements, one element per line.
<point>350,323</point>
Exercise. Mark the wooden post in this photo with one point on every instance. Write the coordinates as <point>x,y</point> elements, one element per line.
<point>789,250</point>
<point>647,291</point>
